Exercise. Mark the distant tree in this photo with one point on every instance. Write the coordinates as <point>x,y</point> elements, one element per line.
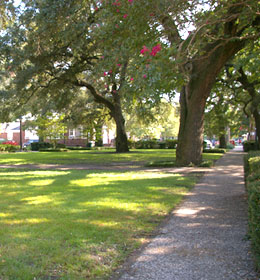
<point>161,122</point>
<point>49,127</point>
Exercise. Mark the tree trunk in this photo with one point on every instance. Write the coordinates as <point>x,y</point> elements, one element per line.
<point>121,137</point>
<point>257,125</point>
<point>190,138</point>
<point>202,74</point>
<point>222,141</point>
<point>117,114</point>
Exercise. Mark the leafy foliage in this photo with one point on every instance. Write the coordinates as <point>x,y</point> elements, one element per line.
<point>252,164</point>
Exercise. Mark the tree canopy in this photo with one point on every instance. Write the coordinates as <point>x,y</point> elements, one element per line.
<point>125,52</point>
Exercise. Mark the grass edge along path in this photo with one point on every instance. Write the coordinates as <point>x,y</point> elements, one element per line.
<point>79,224</point>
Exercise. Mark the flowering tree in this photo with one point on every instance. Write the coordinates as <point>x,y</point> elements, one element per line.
<point>198,38</point>
<point>121,51</point>
<point>202,36</point>
<point>55,49</point>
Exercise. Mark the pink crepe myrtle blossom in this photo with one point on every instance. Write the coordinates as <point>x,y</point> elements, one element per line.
<point>105,73</point>
<point>125,15</point>
<point>155,50</point>
<point>116,3</point>
<point>144,50</point>
<point>144,76</point>
<point>131,79</point>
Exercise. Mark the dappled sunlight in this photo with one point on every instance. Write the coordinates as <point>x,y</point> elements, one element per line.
<point>29,221</point>
<point>101,223</point>
<point>79,216</point>
<point>107,178</point>
<point>5,215</point>
<point>40,199</point>
<point>41,182</point>
<point>112,203</point>
<point>182,212</point>
<point>21,235</point>
<point>16,161</point>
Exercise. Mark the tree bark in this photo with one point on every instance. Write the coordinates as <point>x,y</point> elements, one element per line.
<point>202,75</point>
<point>222,141</point>
<point>121,137</point>
<point>190,138</point>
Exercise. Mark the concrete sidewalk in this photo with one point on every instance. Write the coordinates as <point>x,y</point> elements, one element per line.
<point>206,237</point>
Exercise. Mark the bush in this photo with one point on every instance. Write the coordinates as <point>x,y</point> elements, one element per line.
<point>147,144</point>
<point>171,144</point>
<point>249,146</point>
<point>252,174</point>
<point>131,144</point>
<point>9,148</point>
<point>36,146</point>
<point>214,151</point>
<point>53,150</point>
<point>78,148</point>
<point>230,146</point>
<point>60,146</point>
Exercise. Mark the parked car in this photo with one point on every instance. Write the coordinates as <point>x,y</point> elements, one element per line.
<point>28,143</point>
<point>208,144</point>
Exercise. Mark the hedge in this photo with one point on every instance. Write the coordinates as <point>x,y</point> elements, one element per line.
<point>252,176</point>
<point>249,146</point>
<point>215,151</point>
<point>36,146</point>
<point>153,144</point>
<point>9,148</point>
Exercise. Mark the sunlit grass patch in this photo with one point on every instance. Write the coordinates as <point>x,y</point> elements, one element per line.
<point>79,224</point>
<point>96,157</point>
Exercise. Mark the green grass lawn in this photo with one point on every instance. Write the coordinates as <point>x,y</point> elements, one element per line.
<point>78,224</point>
<point>92,157</point>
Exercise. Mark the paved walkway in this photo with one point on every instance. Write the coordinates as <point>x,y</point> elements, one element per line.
<point>206,237</point>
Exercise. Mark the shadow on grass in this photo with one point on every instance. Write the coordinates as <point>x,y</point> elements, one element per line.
<point>77,224</point>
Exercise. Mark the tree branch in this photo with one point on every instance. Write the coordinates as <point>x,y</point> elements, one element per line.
<point>98,98</point>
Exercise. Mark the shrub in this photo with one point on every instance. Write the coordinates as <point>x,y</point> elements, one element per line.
<point>249,146</point>
<point>9,148</point>
<point>171,144</point>
<point>230,146</point>
<point>53,150</point>
<point>147,144</point>
<point>252,174</point>
<point>162,145</point>
<point>36,146</point>
<point>214,151</point>
<point>131,144</point>
<point>78,148</point>
<point>60,146</point>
